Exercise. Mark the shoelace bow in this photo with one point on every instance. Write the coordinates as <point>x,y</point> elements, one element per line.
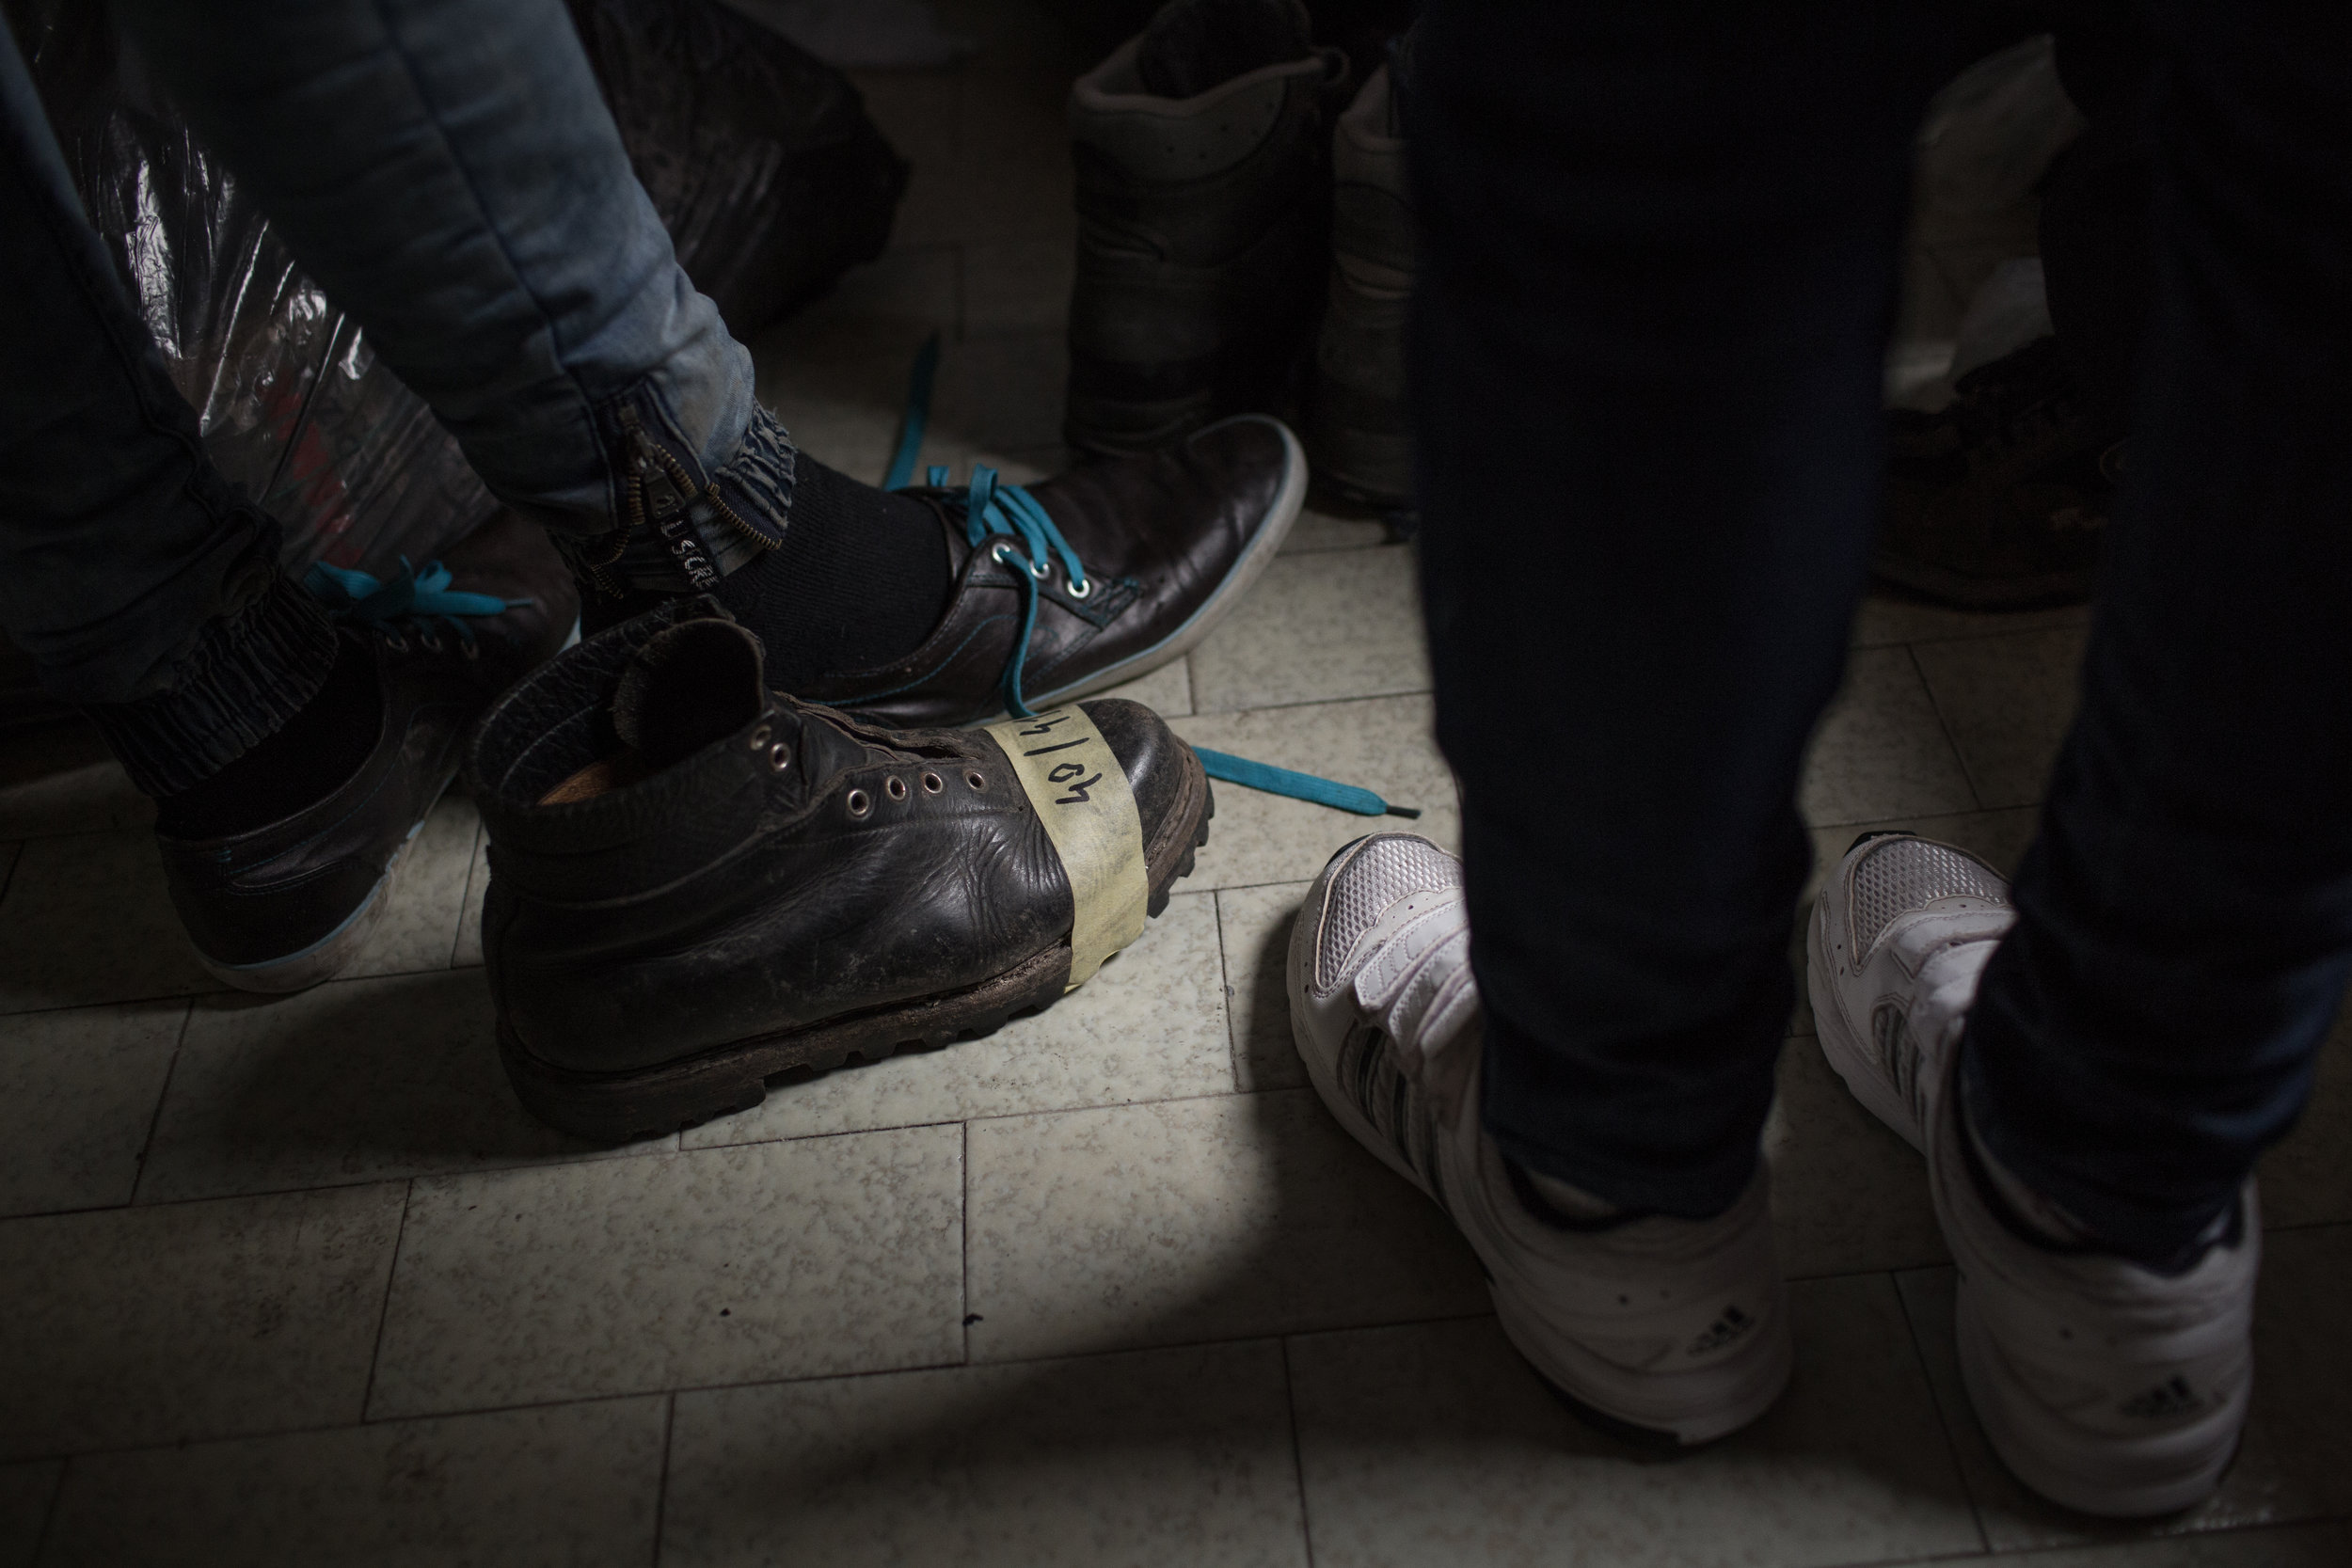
<point>413,598</point>
<point>991,509</point>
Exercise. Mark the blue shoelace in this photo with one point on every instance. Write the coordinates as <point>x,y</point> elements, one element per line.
<point>991,509</point>
<point>422,600</point>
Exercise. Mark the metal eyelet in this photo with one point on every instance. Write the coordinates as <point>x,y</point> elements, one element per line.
<point>760,736</point>
<point>393,640</point>
<point>998,555</point>
<point>779,756</point>
<point>977,779</point>
<point>860,802</point>
<point>471,650</point>
<point>1080,590</point>
<point>895,787</point>
<point>432,641</point>
<point>932,784</point>
<point>1042,570</point>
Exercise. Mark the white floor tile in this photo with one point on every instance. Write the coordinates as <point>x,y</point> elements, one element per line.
<point>1435,1444</point>
<point>1382,744</point>
<point>1318,627</point>
<point>1326,530</point>
<point>1018,285</point>
<point>1881,751</point>
<point>78,1091</point>
<point>190,1320</point>
<point>67,783</point>
<point>419,929</point>
<point>1256,923</point>
<point>573,1484</point>
<point>466,952</point>
<point>1849,1196</point>
<point>1884,618</point>
<point>2295,1461</point>
<point>1176,1457</point>
<point>724,1265</point>
<point>1150,1025</point>
<point>1167,690</point>
<point>1198,1219</point>
<point>355,1080</point>
<point>2008,701</point>
<point>86,919</point>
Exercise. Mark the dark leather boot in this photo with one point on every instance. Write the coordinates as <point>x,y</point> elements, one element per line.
<point>286,906</point>
<point>1204,223</point>
<point>1166,545</point>
<point>698,885</point>
<point>1357,428</point>
<point>2001,500</point>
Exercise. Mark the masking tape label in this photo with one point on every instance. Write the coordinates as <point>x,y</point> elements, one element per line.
<point>1080,792</point>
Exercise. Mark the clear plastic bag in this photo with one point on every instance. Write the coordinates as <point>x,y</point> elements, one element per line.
<point>759,158</point>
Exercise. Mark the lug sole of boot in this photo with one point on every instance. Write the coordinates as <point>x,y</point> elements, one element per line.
<point>651,1102</point>
<point>332,953</point>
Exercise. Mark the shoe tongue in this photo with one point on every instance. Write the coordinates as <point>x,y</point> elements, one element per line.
<point>1193,45</point>
<point>687,687</point>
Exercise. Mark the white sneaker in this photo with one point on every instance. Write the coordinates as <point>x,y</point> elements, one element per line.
<point>2103,1384</point>
<point>1674,1328</point>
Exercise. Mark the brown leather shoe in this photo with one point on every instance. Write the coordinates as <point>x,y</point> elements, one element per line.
<point>288,905</point>
<point>1152,552</point>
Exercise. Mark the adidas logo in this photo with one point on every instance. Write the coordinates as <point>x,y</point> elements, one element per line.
<point>1730,1327</point>
<point>2172,1397</point>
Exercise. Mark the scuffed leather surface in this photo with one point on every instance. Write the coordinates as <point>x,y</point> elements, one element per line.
<point>257,897</point>
<point>723,899</point>
<point>1157,535</point>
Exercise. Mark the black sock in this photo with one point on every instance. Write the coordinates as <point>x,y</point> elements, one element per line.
<point>861,577</point>
<point>311,754</point>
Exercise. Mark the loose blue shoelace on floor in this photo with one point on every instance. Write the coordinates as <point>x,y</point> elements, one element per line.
<point>412,598</point>
<point>991,509</point>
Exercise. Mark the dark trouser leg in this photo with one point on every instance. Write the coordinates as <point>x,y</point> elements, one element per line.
<point>2186,911</point>
<point>139,584</point>
<point>2094,208</point>
<point>1647,391</point>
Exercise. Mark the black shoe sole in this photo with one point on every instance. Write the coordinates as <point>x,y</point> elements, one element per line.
<point>652,1103</point>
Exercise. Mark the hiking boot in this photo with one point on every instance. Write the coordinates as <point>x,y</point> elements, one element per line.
<point>1201,153</point>
<point>2105,1385</point>
<point>1083,581</point>
<point>697,884</point>
<point>284,905</point>
<point>1357,428</point>
<point>1651,1327</point>
<point>2000,500</point>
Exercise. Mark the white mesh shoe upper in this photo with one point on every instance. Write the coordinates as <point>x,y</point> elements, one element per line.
<point>1895,875</point>
<point>1383,870</point>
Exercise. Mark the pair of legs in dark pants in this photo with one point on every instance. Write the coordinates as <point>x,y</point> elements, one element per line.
<point>1662,259</point>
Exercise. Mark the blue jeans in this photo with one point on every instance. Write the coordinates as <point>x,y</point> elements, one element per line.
<point>1662,262</point>
<point>448,173</point>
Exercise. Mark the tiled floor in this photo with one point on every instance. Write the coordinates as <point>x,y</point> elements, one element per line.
<point>296,1282</point>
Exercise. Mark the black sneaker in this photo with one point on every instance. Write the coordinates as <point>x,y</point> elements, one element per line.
<point>1203,220</point>
<point>2000,500</point>
<point>697,884</point>
<point>288,905</point>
